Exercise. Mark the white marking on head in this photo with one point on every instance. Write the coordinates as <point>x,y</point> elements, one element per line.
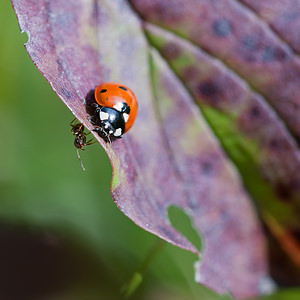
<point>126,117</point>
<point>110,132</point>
<point>118,106</point>
<point>118,132</point>
<point>103,116</point>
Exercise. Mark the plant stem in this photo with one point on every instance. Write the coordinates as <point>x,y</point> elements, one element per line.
<point>136,279</point>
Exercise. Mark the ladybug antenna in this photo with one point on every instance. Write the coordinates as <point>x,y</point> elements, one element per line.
<point>78,155</point>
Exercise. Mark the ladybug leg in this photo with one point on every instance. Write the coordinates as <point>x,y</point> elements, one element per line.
<point>97,107</point>
<point>94,117</point>
<point>102,133</point>
<point>99,130</point>
<point>93,120</point>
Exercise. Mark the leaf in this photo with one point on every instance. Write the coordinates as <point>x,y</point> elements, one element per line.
<point>283,18</point>
<point>245,78</point>
<point>171,156</point>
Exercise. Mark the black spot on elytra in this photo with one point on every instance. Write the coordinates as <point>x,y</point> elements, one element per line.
<point>123,88</point>
<point>222,28</point>
<point>103,91</point>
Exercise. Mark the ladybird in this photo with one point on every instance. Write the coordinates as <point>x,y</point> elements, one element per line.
<point>116,109</point>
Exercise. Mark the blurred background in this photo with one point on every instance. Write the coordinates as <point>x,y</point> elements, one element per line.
<point>61,235</point>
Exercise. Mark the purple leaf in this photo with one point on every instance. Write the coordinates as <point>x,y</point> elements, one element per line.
<point>170,156</point>
<point>282,16</point>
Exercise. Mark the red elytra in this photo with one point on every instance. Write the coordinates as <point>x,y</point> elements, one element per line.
<point>112,95</point>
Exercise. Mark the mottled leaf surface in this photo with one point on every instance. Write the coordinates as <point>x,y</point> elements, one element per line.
<point>230,31</point>
<point>283,16</point>
<point>240,64</point>
<point>209,76</point>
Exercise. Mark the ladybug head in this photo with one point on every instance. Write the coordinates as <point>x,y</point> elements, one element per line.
<point>111,122</point>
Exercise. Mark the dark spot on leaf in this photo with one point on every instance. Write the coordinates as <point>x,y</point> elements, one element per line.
<point>123,88</point>
<point>275,144</point>
<point>268,54</point>
<point>250,42</point>
<point>278,144</point>
<point>209,90</point>
<point>66,93</point>
<point>103,91</point>
<point>254,45</point>
<point>193,202</point>
<point>171,51</point>
<point>271,53</point>
<point>255,112</point>
<point>59,66</point>
<point>251,47</point>
<point>222,27</point>
<point>206,167</point>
